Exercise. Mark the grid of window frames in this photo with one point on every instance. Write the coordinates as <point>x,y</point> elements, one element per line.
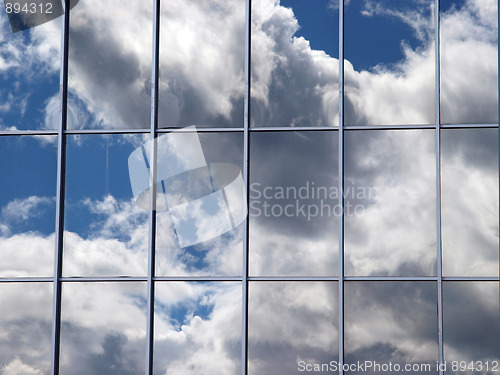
<point>367,139</point>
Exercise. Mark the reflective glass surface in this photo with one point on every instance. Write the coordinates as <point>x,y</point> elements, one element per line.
<point>110,52</point>
<point>204,291</point>
<point>27,205</point>
<point>25,328</point>
<point>471,327</point>
<point>390,180</point>
<point>294,67</point>
<point>29,68</point>
<point>292,325</point>
<point>469,53</point>
<point>391,323</point>
<point>294,203</point>
<point>106,233</point>
<point>470,202</point>
<point>103,329</point>
<point>198,328</point>
<point>200,203</point>
<point>202,63</point>
<point>389,68</point>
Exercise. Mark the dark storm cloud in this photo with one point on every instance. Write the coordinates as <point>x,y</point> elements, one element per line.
<point>109,71</point>
<point>391,321</point>
<point>476,148</point>
<point>471,324</point>
<point>296,160</point>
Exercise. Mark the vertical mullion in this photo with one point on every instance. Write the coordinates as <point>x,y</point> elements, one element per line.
<point>152,171</point>
<point>438,186</point>
<point>341,187</point>
<point>60,193</point>
<point>246,177</point>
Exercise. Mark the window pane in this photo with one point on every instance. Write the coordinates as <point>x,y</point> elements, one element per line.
<point>198,328</point>
<point>469,54</point>
<point>110,64</point>
<point>470,202</point>
<point>29,69</point>
<point>292,325</point>
<point>391,322</point>
<point>294,63</point>
<point>471,327</point>
<point>390,185</point>
<point>201,204</point>
<point>106,233</point>
<point>103,329</point>
<point>202,63</point>
<point>294,203</point>
<point>27,205</point>
<point>25,326</point>
<point>389,67</point>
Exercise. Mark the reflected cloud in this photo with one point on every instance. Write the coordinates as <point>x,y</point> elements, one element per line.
<point>23,209</point>
<point>391,322</point>
<point>471,324</point>
<point>103,328</point>
<point>291,322</point>
<point>293,222</point>
<point>25,328</point>
<point>198,328</point>
<point>396,234</point>
<point>292,84</point>
<point>470,202</point>
<point>469,85</point>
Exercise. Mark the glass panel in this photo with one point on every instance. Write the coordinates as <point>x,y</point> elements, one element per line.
<point>198,328</point>
<point>30,45</point>
<point>471,327</point>
<point>25,328</point>
<point>469,54</point>
<point>201,203</point>
<point>103,328</point>
<point>390,327</point>
<point>292,326</point>
<point>202,63</point>
<point>106,233</point>
<point>294,203</point>
<point>390,64</point>
<point>390,183</point>
<point>110,64</point>
<point>470,202</point>
<point>27,205</point>
<point>294,63</point>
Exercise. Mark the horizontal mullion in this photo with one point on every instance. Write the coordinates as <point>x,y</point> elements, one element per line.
<point>28,132</point>
<point>471,278</point>
<point>390,127</point>
<point>293,278</point>
<point>468,126</point>
<point>107,131</point>
<point>292,128</point>
<point>253,129</point>
<point>252,278</point>
<point>26,280</point>
<point>199,130</point>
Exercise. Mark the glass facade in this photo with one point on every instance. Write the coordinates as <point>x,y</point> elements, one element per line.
<point>249,187</point>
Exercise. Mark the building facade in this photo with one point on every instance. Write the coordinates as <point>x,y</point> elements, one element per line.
<point>249,187</point>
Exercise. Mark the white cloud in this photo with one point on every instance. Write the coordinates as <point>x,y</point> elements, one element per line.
<point>16,366</point>
<point>23,209</point>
